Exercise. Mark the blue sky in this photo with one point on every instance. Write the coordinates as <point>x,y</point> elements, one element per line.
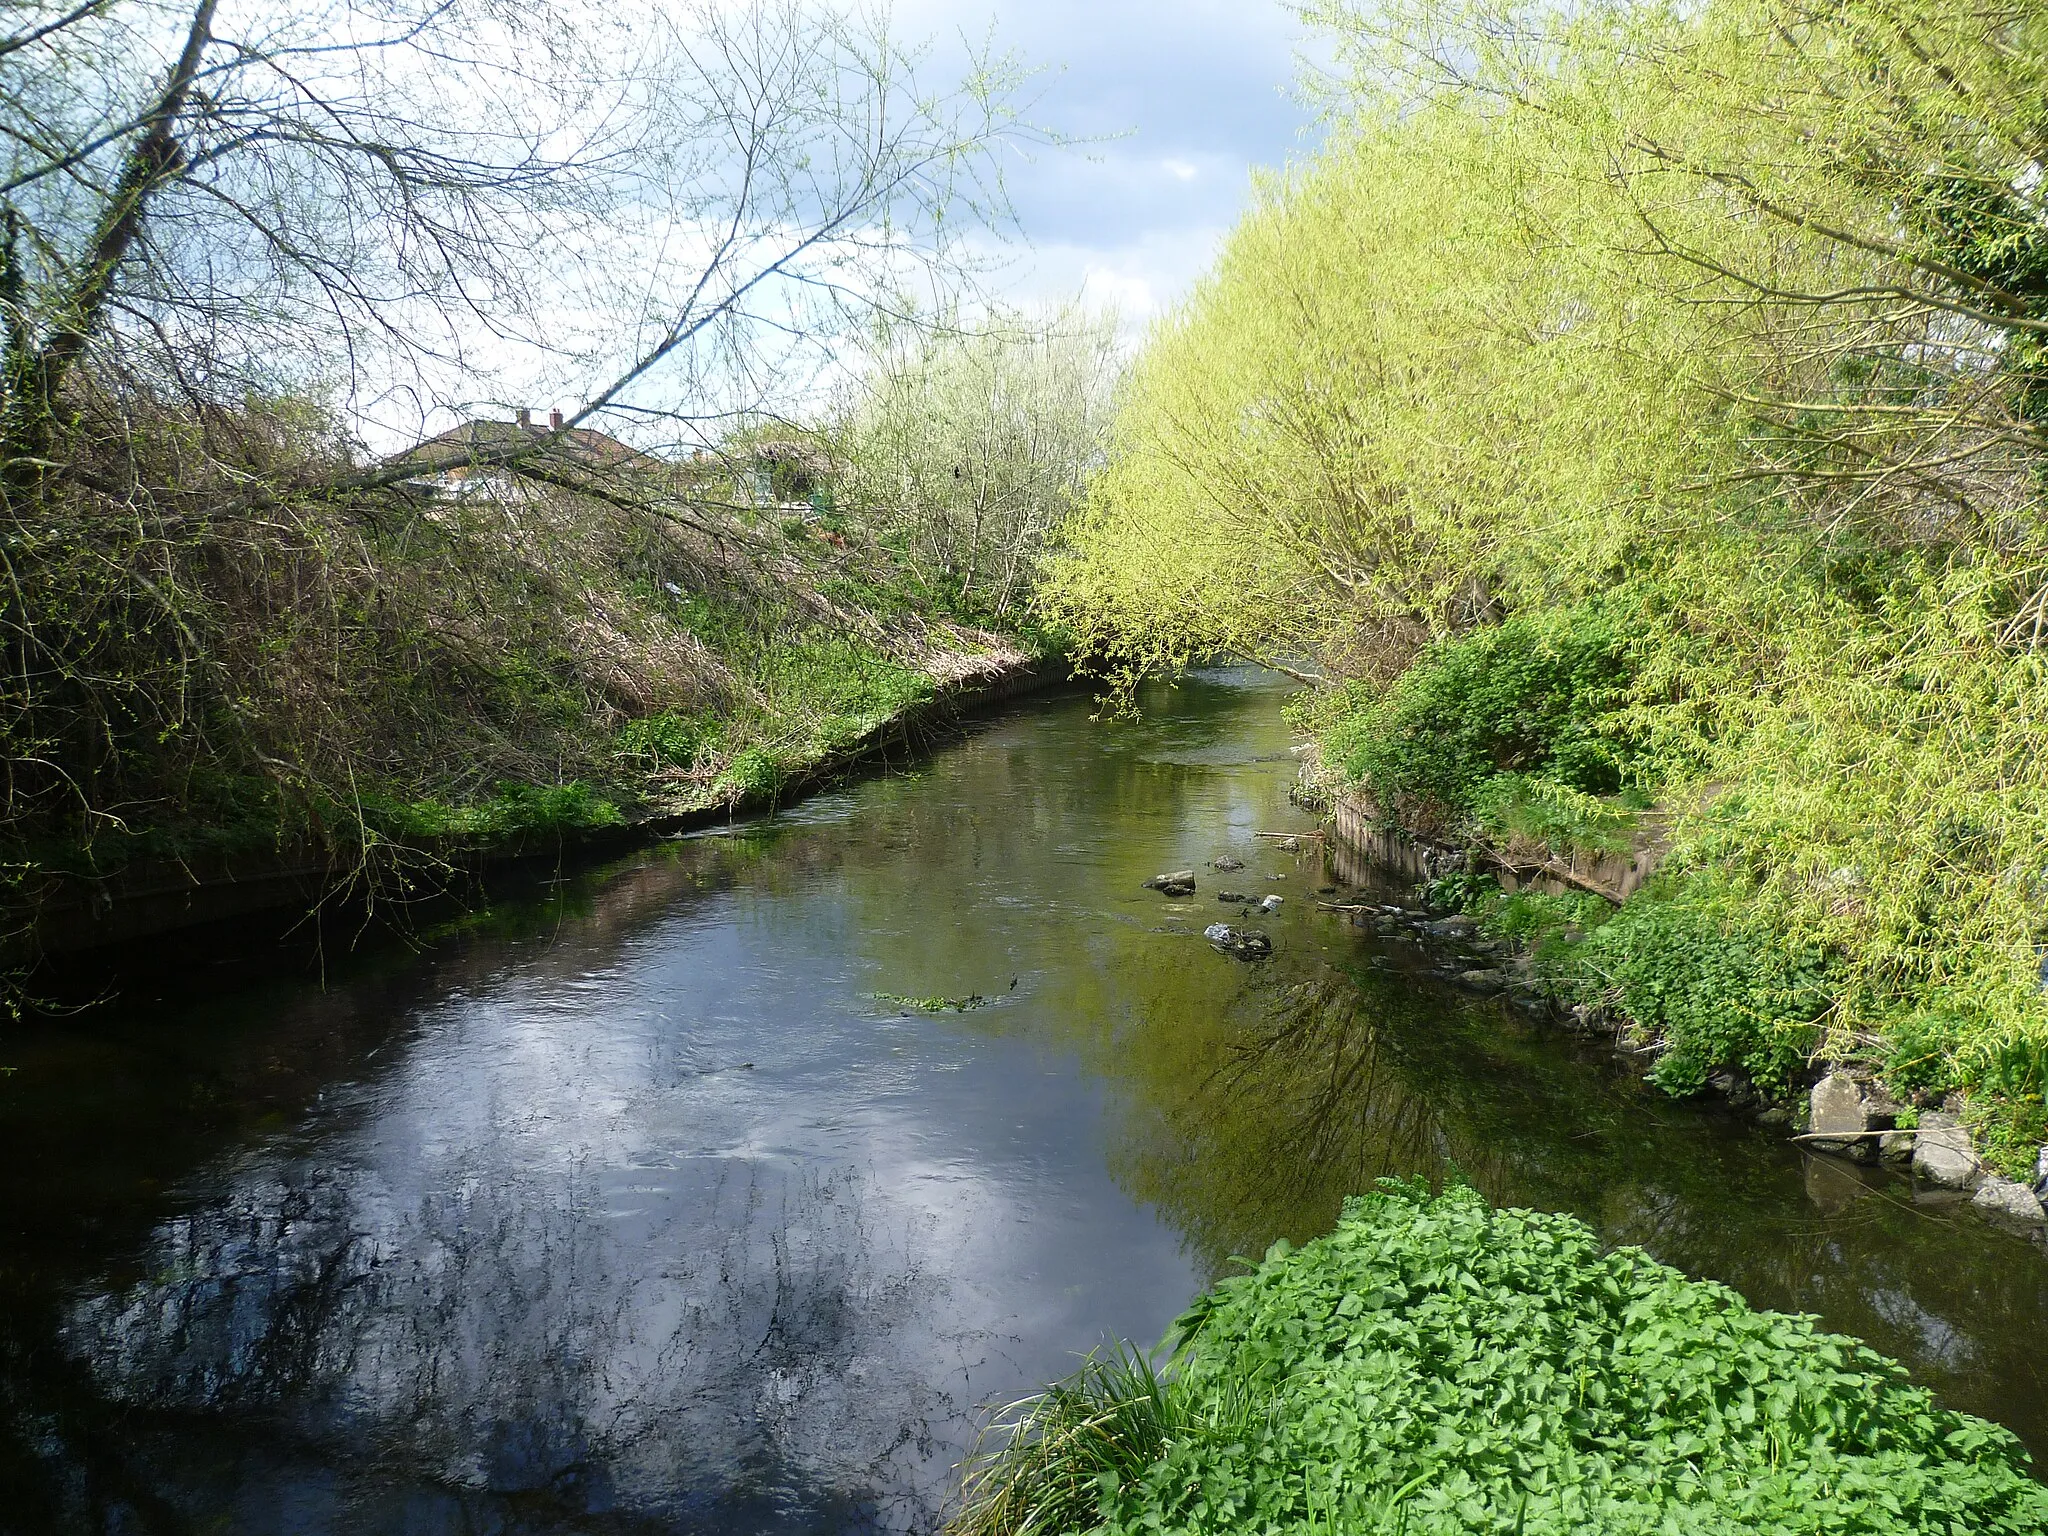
<point>1200,91</point>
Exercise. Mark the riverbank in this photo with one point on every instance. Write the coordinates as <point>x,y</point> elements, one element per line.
<point>1524,921</point>
<point>158,897</point>
<point>371,698</point>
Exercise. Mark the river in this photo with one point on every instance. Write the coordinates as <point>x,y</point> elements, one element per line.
<point>646,1202</point>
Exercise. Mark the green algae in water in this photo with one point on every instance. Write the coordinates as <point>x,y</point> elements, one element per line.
<point>965,1004</point>
<point>1435,1366</point>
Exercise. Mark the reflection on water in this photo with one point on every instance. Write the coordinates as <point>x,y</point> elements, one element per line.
<point>636,1208</point>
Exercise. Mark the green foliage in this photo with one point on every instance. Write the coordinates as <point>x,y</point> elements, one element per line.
<point>1513,726</point>
<point>1920,1051</point>
<point>1550,927</point>
<point>755,773</point>
<point>1434,1367</point>
<point>966,1004</point>
<point>844,685</point>
<point>669,739</point>
<point>510,811</point>
<point>1692,968</point>
<point>967,449</point>
<point>1463,890</point>
<point>1049,1461</point>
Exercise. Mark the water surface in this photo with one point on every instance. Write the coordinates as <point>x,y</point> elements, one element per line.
<point>648,1206</point>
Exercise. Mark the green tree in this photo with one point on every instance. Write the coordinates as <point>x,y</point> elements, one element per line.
<point>971,447</point>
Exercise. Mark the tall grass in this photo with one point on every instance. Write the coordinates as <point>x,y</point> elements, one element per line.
<point>1043,1463</point>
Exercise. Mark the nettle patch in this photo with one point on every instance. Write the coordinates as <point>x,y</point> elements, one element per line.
<point>1435,1366</point>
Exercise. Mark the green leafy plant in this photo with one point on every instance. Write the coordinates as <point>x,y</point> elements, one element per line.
<point>511,810</point>
<point>1462,890</point>
<point>1437,1367</point>
<point>1514,721</point>
<point>1691,967</point>
<point>966,1004</point>
<point>753,774</point>
<point>669,739</point>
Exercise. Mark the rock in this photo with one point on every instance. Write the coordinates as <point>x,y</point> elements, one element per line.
<point>1232,896</point>
<point>1180,883</point>
<point>1482,981</point>
<point>1942,1153</point>
<point>1777,1114</point>
<point>1733,1084</point>
<point>2009,1200</point>
<point>1326,890</point>
<point>1895,1146</point>
<point>1244,943</point>
<point>2041,1173</point>
<point>1289,845</point>
<point>1838,1110</point>
<point>1227,864</point>
<point>1453,927</point>
<point>1271,903</point>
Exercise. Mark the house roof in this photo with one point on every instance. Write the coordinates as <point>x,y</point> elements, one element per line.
<point>582,447</point>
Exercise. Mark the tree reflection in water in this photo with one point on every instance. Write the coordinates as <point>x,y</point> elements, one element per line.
<point>477,1346</point>
<point>1334,1076</point>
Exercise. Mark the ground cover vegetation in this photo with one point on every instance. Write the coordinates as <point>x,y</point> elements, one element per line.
<point>1631,416</point>
<point>282,570</point>
<point>1434,1365</point>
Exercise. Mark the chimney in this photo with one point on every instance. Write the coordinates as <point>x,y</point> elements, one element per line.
<point>525,417</point>
<point>554,421</point>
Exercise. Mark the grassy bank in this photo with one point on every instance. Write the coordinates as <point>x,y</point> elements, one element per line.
<point>385,683</point>
<point>1435,1366</point>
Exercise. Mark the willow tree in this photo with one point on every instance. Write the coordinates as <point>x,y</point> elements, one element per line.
<point>970,447</point>
<point>1726,318</point>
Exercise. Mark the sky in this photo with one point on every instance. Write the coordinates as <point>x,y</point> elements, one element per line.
<point>1184,98</point>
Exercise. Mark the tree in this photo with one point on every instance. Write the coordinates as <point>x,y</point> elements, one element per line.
<point>971,447</point>
<point>241,247</point>
<point>411,203</point>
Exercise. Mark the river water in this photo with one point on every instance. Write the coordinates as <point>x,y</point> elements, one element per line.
<point>646,1203</point>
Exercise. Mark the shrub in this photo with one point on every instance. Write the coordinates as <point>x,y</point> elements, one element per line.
<point>1521,713</point>
<point>1691,966</point>
<point>511,810</point>
<point>670,739</point>
<point>1439,1368</point>
<point>755,773</point>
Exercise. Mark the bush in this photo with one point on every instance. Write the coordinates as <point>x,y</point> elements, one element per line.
<point>755,773</point>
<point>1438,1368</point>
<point>1518,714</point>
<point>1690,966</point>
<point>670,739</point>
<point>511,810</point>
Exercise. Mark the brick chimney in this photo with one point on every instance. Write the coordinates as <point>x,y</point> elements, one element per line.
<point>524,417</point>
<point>554,421</point>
